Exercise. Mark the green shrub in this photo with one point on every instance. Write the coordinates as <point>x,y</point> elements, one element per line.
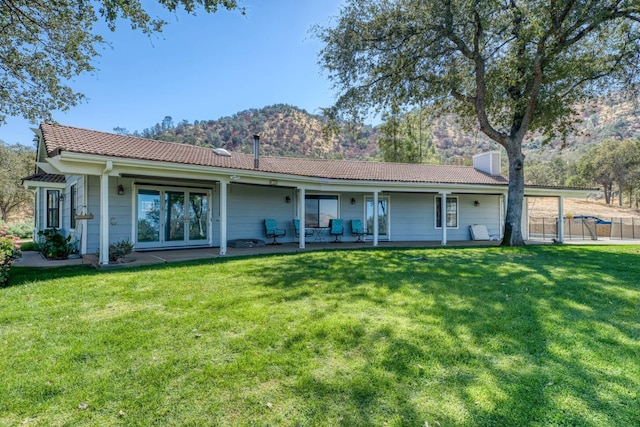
<point>9,251</point>
<point>22,230</point>
<point>29,246</point>
<point>55,245</point>
<point>119,250</point>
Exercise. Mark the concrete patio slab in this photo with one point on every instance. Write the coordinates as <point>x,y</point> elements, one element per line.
<point>135,259</point>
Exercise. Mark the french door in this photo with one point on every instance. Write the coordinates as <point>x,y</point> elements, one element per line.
<point>172,217</point>
<point>383,216</point>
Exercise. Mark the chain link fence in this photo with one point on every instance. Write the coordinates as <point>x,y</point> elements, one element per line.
<point>585,228</point>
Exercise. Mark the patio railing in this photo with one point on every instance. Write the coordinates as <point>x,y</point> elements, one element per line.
<point>585,229</point>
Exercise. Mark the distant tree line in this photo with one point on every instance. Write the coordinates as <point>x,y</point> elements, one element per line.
<point>612,165</point>
<point>16,162</point>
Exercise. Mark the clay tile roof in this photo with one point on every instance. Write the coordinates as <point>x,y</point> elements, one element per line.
<point>45,177</point>
<point>58,138</point>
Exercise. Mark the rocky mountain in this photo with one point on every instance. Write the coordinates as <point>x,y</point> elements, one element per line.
<point>286,130</point>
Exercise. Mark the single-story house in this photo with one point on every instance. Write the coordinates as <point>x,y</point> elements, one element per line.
<point>104,188</point>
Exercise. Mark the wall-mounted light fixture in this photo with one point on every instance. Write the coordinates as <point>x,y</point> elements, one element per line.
<point>476,203</point>
<point>234,178</point>
<point>287,199</point>
<point>120,190</point>
<point>353,200</point>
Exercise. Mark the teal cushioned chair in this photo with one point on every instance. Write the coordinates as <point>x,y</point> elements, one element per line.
<point>336,228</point>
<point>296,229</point>
<point>357,230</point>
<point>272,231</point>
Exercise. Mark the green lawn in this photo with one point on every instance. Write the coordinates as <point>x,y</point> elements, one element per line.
<point>535,336</point>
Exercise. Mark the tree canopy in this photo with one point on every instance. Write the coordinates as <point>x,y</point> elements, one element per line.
<point>509,66</point>
<point>406,138</point>
<point>612,162</point>
<point>45,44</point>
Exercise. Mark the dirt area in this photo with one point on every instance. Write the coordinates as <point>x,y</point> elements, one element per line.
<point>548,207</point>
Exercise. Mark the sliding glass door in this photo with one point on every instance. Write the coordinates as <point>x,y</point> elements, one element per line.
<point>172,217</point>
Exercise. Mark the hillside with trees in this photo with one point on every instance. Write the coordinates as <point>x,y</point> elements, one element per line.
<point>413,136</point>
<point>284,130</point>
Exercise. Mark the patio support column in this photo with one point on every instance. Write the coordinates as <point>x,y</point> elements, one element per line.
<point>104,215</point>
<point>505,204</point>
<point>443,217</point>
<point>223,217</point>
<point>561,219</point>
<point>301,216</point>
<point>375,218</point>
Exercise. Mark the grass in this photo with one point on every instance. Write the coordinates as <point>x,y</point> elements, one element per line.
<point>535,336</point>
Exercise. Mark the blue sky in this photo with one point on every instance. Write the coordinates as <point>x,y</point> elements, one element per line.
<point>202,67</point>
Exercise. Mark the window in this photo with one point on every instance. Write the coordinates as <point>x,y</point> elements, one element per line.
<point>53,208</point>
<point>319,209</point>
<point>452,212</point>
<point>73,204</point>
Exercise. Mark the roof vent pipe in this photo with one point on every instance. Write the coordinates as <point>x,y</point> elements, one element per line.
<point>256,148</point>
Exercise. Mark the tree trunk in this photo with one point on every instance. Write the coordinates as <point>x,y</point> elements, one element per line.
<point>620,192</point>
<point>607,193</point>
<point>513,217</point>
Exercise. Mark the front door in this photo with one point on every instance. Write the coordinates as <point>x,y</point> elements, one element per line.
<point>172,218</point>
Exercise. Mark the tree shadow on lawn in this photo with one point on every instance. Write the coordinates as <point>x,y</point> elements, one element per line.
<point>476,336</point>
<point>502,336</point>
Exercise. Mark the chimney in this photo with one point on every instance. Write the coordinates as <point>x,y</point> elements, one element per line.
<point>488,162</point>
<point>256,151</point>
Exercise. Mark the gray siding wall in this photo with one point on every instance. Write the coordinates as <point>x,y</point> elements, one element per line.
<point>120,211</point>
<point>487,213</point>
<point>349,212</point>
<point>412,217</point>
<point>40,218</point>
<point>249,205</point>
<point>93,206</point>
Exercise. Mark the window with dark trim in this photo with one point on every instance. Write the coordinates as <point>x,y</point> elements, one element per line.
<point>319,209</point>
<point>53,208</point>
<point>73,204</point>
<point>451,211</point>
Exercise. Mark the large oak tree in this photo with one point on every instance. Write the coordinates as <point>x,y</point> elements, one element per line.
<point>511,66</point>
<point>44,44</point>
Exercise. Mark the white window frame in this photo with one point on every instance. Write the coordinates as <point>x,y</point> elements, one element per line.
<point>436,217</point>
<point>52,197</point>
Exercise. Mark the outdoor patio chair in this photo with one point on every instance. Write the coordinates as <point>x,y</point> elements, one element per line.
<point>296,229</point>
<point>336,229</point>
<point>272,231</point>
<point>357,230</point>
